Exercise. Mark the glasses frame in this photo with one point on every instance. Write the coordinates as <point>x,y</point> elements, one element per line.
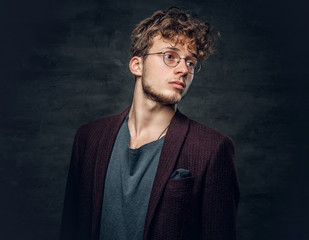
<point>196,69</point>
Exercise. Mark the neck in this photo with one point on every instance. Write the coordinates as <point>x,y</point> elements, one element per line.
<point>148,119</point>
<point>144,115</point>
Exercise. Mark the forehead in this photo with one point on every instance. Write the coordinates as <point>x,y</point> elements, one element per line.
<point>179,43</point>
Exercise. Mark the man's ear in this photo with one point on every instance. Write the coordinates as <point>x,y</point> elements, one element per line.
<point>136,66</point>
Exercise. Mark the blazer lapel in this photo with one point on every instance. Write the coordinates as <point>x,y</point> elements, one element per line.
<point>106,144</point>
<point>173,142</point>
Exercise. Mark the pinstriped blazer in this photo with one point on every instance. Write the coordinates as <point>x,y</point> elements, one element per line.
<point>201,206</point>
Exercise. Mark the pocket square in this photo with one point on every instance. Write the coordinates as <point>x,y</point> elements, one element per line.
<point>180,173</point>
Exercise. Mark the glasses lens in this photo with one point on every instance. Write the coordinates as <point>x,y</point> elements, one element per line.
<point>171,59</point>
<point>191,64</point>
<point>197,67</point>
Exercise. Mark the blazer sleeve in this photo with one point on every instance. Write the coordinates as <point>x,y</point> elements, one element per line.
<point>68,228</point>
<point>220,194</point>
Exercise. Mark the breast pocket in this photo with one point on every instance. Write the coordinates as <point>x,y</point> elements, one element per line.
<point>178,193</point>
<point>175,209</point>
<point>180,184</point>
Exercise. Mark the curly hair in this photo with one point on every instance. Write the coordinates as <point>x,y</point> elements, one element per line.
<point>176,25</point>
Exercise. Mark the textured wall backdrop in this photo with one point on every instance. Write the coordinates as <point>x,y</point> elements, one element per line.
<point>65,63</point>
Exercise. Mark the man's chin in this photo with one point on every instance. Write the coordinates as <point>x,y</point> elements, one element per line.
<point>162,98</point>
<point>168,100</point>
<point>165,100</point>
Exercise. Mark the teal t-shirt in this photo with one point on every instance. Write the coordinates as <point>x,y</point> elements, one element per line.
<point>127,189</point>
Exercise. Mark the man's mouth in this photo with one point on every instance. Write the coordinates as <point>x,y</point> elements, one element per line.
<point>178,84</point>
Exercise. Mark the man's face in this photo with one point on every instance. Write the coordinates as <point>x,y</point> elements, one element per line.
<point>163,83</point>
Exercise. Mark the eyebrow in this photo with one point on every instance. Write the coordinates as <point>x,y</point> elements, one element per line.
<point>177,50</point>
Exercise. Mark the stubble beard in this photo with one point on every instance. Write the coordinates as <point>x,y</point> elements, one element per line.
<point>153,95</point>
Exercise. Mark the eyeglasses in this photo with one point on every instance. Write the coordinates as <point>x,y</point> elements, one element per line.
<point>172,59</point>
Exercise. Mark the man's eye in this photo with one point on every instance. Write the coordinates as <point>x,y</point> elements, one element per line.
<point>191,63</point>
<point>169,56</point>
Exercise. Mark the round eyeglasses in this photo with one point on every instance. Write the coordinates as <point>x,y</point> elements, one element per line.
<point>172,59</point>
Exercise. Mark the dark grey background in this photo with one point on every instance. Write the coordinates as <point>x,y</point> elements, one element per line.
<point>64,63</point>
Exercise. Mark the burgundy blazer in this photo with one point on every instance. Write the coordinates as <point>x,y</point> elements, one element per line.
<point>202,206</point>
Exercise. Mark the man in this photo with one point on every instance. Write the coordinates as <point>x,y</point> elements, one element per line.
<point>151,172</point>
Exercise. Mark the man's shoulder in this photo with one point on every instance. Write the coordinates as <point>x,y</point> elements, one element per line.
<point>206,139</point>
<point>203,132</point>
<point>99,126</point>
